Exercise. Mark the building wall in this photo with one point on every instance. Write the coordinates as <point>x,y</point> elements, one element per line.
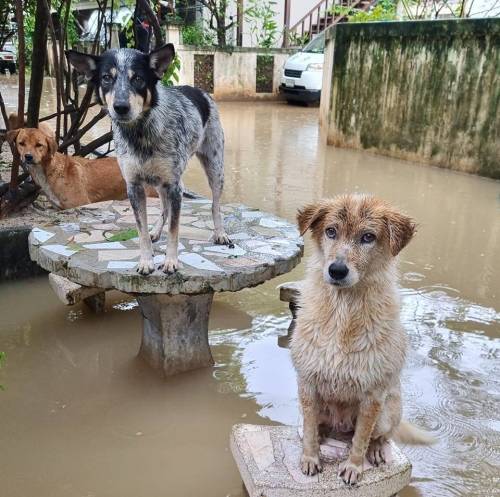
<point>234,72</point>
<point>421,90</point>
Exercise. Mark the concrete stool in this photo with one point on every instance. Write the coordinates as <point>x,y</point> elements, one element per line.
<point>268,460</point>
<point>289,292</point>
<point>70,293</point>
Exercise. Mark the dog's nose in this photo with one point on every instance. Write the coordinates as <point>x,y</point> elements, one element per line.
<point>28,158</point>
<point>121,108</point>
<point>338,271</point>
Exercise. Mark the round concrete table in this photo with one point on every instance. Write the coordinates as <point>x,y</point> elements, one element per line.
<point>100,250</point>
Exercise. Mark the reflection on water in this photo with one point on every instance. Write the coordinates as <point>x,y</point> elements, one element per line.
<point>451,387</point>
<point>82,416</point>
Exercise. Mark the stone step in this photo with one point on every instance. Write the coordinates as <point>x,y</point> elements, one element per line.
<point>290,291</point>
<point>70,293</point>
<point>268,461</point>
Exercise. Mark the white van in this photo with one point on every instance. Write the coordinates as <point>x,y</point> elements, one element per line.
<point>303,73</point>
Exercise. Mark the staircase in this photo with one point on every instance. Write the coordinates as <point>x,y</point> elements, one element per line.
<point>321,16</point>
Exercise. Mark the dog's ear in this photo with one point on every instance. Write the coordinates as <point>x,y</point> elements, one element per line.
<point>400,229</point>
<point>51,145</point>
<point>14,121</point>
<point>46,130</point>
<point>161,58</point>
<point>11,135</point>
<point>83,62</point>
<point>310,215</point>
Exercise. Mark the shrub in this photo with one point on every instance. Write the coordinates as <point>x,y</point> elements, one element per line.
<point>197,35</point>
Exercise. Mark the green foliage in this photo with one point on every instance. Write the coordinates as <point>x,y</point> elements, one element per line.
<point>385,10</point>
<point>174,19</point>
<point>129,33</point>
<point>171,76</point>
<point>263,28</point>
<point>29,29</point>
<point>295,40</point>
<point>29,24</point>
<point>198,35</point>
<point>341,10</point>
<point>264,74</point>
<point>74,246</point>
<point>72,31</point>
<point>2,360</point>
<point>123,236</point>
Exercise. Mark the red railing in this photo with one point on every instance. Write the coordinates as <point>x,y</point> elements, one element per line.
<point>323,15</point>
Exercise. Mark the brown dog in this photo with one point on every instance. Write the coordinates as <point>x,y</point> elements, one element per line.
<point>68,181</point>
<point>349,346</point>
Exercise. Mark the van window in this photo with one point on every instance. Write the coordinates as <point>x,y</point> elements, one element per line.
<point>317,45</point>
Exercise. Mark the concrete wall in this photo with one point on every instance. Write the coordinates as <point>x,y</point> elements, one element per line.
<point>423,90</point>
<point>234,72</point>
<point>15,261</point>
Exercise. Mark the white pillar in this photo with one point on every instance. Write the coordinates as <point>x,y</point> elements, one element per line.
<point>115,35</point>
<point>173,34</point>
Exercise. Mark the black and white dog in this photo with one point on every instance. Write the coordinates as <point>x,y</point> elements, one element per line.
<point>156,130</point>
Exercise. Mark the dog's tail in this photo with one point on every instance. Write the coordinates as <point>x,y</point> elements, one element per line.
<point>407,433</point>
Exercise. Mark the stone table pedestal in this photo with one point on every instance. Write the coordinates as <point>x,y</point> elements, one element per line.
<point>175,332</point>
<point>99,249</point>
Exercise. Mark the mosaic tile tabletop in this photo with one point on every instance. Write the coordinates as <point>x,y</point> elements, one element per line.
<point>101,249</point>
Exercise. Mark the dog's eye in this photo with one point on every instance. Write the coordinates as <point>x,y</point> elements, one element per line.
<point>22,144</point>
<point>331,232</point>
<point>38,145</point>
<point>106,78</point>
<point>368,238</point>
<point>137,80</point>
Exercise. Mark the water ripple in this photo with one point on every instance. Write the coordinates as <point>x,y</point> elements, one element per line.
<point>451,386</point>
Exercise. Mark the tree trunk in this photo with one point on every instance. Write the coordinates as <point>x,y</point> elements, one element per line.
<point>221,35</point>
<point>220,19</point>
<point>37,63</point>
<point>239,24</point>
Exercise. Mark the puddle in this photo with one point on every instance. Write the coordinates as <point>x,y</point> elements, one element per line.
<point>82,416</point>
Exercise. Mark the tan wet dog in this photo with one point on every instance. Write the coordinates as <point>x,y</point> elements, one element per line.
<point>349,344</point>
<point>68,181</point>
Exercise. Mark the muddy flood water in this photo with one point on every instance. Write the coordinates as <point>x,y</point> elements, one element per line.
<point>82,416</point>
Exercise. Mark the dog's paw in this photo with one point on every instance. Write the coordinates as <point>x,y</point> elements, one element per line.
<point>146,266</point>
<point>221,238</point>
<point>171,265</point>
<point>310,465</point>
<point>155,235</point>
<point>350,472</point>
<point>376,452</point>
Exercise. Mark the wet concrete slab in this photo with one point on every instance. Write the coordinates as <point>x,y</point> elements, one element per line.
<point>268,458</point>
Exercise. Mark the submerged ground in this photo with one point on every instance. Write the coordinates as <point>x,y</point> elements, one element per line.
<point>81,416</point>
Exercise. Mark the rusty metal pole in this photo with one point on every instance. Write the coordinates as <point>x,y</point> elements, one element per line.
<point>286,23</point>
<point>21,93</point>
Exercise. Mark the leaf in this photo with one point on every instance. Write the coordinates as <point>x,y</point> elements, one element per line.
<point>74,246</point>
<point>123,236</point>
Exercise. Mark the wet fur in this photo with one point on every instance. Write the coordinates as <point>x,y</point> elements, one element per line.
<point>163,129</point>
<point>67,181</point>
<point>349,345</point>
